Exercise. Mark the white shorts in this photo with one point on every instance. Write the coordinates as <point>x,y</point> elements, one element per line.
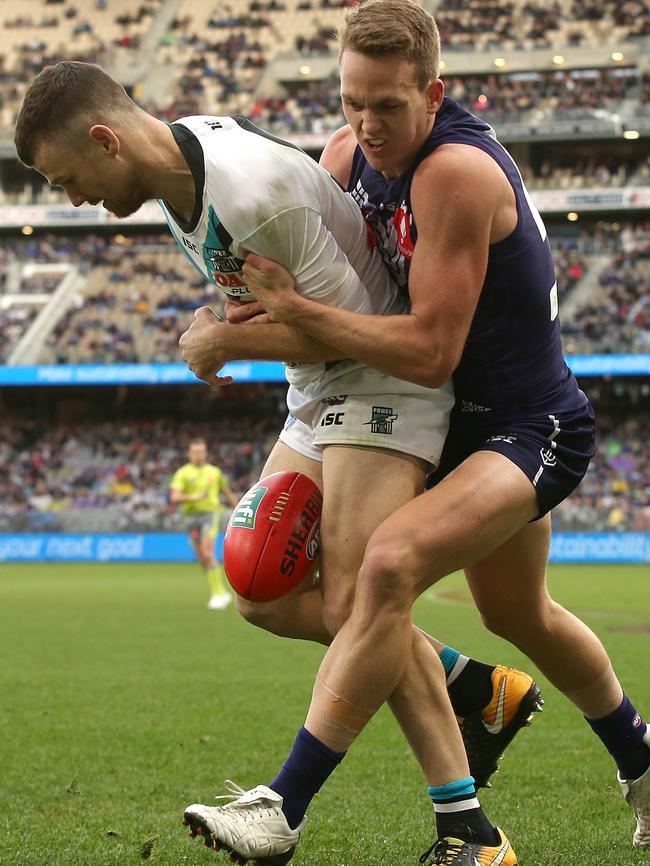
<point>370,409</point>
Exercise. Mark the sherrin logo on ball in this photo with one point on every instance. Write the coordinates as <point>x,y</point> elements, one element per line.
<point>272,539</point>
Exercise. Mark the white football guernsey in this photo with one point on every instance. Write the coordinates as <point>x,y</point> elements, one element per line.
<point>259,194</point>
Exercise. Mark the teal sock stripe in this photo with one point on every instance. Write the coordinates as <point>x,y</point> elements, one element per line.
<point>459,788</point>
<point>449,656</point>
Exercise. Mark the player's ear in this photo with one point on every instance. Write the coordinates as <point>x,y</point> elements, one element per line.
<point>105,137</point>
<point>435,91</point>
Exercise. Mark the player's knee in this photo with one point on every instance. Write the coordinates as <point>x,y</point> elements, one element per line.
<point>272,616</point>
<point>519,624</point>
<point>260,615</point>
<point>336,610</point>
<point>385,581</point>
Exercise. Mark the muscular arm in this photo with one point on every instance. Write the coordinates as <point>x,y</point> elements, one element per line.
<point>447,272</point>
<point>228,495</point>
<point>270,342</point>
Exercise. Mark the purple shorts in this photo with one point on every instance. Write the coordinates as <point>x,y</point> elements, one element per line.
<point>552,449</point>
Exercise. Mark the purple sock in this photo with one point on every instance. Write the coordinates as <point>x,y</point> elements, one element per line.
<point>304,773</point>
<point>622,734</point>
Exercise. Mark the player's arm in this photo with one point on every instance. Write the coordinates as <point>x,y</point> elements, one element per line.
<point>227,494</point>
<point>209,344</point>
<point>447,273</point>
<point>321,269</point>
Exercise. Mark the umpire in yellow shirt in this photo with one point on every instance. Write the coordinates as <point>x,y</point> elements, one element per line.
<point>199,488</point>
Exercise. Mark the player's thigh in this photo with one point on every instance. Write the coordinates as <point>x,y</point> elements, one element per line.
<point>362,487</point>
<point>511,581</point>
<point>474,510</point>
<point>284,458</point>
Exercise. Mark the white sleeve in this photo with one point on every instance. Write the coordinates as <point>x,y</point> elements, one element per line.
<point>299,240</point>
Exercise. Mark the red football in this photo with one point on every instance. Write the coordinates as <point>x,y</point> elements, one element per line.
<point>272,538</point>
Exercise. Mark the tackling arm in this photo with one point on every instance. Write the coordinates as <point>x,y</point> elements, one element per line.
<point>446,276</point>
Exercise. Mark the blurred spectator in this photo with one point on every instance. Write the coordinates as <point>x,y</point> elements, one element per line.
<point>617,318</point>
<point>117,473</point>
<point>615,493</point>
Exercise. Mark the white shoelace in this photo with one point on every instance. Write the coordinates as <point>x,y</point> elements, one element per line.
<point>234,791</point>
<point>251,810</point>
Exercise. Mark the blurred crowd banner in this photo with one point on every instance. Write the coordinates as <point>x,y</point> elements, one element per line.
<point>134,374</point>
<point>252,371</point>
<point>99,547</point>
<point>600,547</point>
<point>567,547</point>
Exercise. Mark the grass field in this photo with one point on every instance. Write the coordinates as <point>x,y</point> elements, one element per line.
<point>123,699</point>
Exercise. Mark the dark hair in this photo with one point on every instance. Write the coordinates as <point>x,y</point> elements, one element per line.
<point>382,28</point>
<point>59,97</point>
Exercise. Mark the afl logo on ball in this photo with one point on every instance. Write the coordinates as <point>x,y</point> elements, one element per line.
<point>312,547</point>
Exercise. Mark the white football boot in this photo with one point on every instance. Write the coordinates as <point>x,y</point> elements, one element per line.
<point>220,602</point>
<point>637,794</point>
<point>251,827</point>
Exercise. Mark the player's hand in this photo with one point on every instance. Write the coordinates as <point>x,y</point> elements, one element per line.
<point>203,347</point>
<point>240,312</point>
<point>274,286</point>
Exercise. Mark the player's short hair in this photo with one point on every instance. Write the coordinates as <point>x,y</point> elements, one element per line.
<point>381,28</point>
<point>197,440</point>
<point>60,98</point>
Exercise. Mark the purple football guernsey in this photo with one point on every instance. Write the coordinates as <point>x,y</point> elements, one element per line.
<point>512,364</point>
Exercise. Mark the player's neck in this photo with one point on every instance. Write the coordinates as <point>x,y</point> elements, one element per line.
<point>169,175</point>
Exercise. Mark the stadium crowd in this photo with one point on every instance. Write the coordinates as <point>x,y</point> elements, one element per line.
<point>139,294</point>
<point>471,24</point>
<point>114,475</point>
<point>616,318</point>
<point>317,110</point>
<point>615,493</point>
<point>14,322</point>
<point>215,54</point>
<point>571,93</point>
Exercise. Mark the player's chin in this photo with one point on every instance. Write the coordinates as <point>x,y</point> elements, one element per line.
<point>377,159</point>
<point>122,209</point>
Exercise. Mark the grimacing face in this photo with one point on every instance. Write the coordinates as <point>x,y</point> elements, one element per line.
<point>197,453</point>
<point>91,175</point>
<point>390,115</point>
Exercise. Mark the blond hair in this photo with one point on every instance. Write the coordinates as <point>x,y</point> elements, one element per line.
<point>381,28</point>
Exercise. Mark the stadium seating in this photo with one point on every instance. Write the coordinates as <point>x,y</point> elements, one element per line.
<point>476,25</point>
<point>216,53</point>
<point>137,295</point>
<point>134,294</point>
<point>115,477</point>
<point>615,494</point>
<point>35,34</point>
<point>14,322</point>
<point>616,318</point>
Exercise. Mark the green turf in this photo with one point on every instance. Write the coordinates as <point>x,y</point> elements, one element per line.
<point>122,699</point>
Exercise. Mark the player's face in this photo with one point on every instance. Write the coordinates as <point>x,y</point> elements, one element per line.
<point>197,453</point>
<point>86,175</point>
<point>391,116</point>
